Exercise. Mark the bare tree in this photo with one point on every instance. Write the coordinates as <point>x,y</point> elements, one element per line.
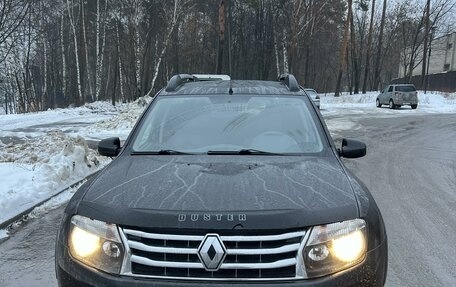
<point>369,46</point>
<point>221,42</point>
<point>378,64</point>
<point>343,49</point>
<point>12,14</point>
<point>173,19</point>
<point>76,52</point>
<point>100,47</point>
<point>426,38</point>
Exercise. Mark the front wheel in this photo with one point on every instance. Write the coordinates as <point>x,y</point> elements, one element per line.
<point>414,107</point>
<point>377,103</point>
<point>391,104</point>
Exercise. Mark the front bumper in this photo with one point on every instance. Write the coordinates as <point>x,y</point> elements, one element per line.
<point>372,272</point>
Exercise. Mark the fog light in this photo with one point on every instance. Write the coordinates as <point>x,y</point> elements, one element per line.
<point>111,249</point>
<point>83,242</point>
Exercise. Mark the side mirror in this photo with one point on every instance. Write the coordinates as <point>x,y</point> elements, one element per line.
<point>352,149</point>
<point>109,147</point>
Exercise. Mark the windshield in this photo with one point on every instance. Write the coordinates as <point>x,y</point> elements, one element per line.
<point>201,124</point>
<point>405,88</point>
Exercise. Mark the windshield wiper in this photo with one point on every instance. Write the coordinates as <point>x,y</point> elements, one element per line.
<point>160,152</point>
<point>242,152</point>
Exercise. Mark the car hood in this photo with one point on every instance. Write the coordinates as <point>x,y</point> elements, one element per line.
<point>221,192</point>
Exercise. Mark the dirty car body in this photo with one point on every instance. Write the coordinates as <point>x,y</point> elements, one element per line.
<point>224,183</point>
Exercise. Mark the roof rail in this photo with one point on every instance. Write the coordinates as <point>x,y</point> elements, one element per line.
<point>290,82</point>
<point>178,80</point>
<point>212,77</point>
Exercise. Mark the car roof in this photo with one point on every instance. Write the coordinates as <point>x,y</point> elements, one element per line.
<point>222,87</point>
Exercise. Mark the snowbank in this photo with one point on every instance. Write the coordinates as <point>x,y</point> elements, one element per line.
<point>47,151</point>
<point>38,168</point>
<point>121,124</point>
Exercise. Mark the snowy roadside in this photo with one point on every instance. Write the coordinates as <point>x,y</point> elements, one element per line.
<point>38,168</point>
<point>364,104</point>
<point>46,152</point>
<point>340,112</point>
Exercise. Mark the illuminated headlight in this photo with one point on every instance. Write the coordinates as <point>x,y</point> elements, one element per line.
<point>335,247</point>
<point>96,244</point>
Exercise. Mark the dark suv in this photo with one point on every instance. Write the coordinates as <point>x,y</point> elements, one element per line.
<point>224,183</point>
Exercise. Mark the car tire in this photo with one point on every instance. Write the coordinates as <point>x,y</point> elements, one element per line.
<point>414,107</point>
<point>377,103</point>
<point>391,104</point>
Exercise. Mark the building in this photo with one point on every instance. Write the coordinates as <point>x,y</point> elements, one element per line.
<point>443,56</point>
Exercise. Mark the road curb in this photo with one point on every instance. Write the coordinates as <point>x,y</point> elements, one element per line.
<point>6,223</point>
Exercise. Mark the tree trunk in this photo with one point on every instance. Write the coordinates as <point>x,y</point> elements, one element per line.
<point>343,49</point>
<point>45,88</point>
<point>114,90</point>
<point>355,59</point>
<point>86,52</point>
<point>97,47</point>
<point>284,54</point>
<point>119,61</point>
<point>276,54</point>
<point>100,50</point>
<point>425,44</point>
<point>369,46</point>
<point>76,54</point>
<point>378,65</point>
<point>221,42</point>
<point>165,45</point>
<point>21,94</point>
<point>62,44</point>
<point>6,103</point>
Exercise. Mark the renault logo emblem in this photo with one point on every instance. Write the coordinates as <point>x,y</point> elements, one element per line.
<point>212,252</point>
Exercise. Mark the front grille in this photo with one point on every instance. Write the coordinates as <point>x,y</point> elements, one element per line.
<point>260,257</point>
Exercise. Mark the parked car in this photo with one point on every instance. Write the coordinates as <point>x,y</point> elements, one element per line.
<point>314,95</point>
<point>396,96</point>
<point>233,183</point>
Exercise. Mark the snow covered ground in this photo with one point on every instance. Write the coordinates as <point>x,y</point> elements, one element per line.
<point>45,152</point>
<point>42,153</point>
<point>365,104</point>
<point>339,112</point>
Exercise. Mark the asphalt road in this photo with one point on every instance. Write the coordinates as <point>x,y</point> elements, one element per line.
<point>410,169</point>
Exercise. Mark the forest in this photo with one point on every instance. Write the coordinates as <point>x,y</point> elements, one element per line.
<point>60,53</point>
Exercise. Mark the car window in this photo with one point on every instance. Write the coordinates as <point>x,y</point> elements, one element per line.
<point>390,89</point>
<point>208,123</point>
<point>409,88</point>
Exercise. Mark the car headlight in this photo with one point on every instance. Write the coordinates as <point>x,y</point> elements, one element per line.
<point>96,243</point>
<point>335,247</point>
